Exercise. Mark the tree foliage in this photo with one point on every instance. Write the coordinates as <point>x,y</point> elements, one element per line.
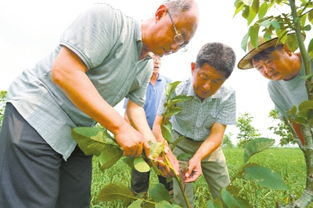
<point>246,131</point>
<point>281,129</point>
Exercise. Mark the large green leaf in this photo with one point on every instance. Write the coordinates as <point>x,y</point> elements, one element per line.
<point>159,193</point>
<point>83,135</point>
<point>141,165</point>
<point>264,177</point>
<point>257,145</point>
<point>113,192</point>
<point>109,156</point>
<point>136,204</point>
<point>231,201</point>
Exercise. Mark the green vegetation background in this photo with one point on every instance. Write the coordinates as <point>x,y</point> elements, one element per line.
<point>288,162</point>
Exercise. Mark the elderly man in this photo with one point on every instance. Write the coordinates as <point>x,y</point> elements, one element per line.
<point>284,68</point>
<point>204,118</point>
<point>101,58</point>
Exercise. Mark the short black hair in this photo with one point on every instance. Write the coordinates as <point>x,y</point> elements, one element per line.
<point>265,54</point>
<point>217,55</point>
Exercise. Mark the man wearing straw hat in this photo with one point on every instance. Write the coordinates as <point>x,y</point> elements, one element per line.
<point>275,61</point>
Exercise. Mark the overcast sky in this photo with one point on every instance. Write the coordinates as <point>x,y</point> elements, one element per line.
<point>30,29</point>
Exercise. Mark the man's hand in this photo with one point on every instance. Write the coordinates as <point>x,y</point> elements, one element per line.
<point>194,170</point>
<point>130,141</point>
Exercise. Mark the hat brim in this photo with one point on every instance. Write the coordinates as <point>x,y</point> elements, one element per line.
<point>246,61</point>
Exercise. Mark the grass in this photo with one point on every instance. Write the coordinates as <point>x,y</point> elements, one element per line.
<point>288,162</point>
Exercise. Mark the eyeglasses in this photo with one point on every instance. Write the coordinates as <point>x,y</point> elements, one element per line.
<point>178,38</point>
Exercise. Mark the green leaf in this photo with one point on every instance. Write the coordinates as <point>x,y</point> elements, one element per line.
<point>113,192</point>
<point>141,165</point>
<point>251,16</point>
<point>307,27</point>
<point>163,204</point>
<point>255,6</point>
<point>275,24</point>
<point>255,146</point>
<point>231,201</point>
<point>180,98</point>
<point>159,193</point>
<point>83,135</point>
<point>156,149</point>
<point>244,42</point>
<point>310,16</point>
<point>266,23</point>
<point>136,204</point>
<point>245,12</point>
<point>247,2</point>
<point>306,109</point>
<point>166,130</point>
<point>109,156</point>
<point>310,48</point>
<point>129,161</point>
<point>173,111</point>
<point>265,177</point>
<point>254,35</point>
<point>238,5</point>
<point>292,42</point>
<point>263,10</point>
<point>171,87</point>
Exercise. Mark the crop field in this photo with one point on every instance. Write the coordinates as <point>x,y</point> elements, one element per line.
<point>288,162</point>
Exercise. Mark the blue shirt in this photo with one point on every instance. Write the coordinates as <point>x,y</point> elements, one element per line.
<point>109,43</point>
<point>153,98</point>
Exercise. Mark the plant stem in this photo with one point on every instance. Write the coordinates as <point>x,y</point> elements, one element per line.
<point>304,53</point>
<point>180,183</point>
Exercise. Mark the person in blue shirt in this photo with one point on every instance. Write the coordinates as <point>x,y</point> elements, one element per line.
<point>155,89</point>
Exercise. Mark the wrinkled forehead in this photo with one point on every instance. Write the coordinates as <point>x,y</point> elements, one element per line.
<point>187,23</point>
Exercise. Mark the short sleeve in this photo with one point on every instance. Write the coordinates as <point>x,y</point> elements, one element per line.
<point>138,95</point>
<point>227,114</point>
<point>91,35</point>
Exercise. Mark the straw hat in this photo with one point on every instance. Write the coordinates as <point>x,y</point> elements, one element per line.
<point>246,61</point>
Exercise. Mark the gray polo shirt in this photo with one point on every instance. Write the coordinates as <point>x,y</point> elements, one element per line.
<point>197,117</point>
<point>286,94</point>
<point>109,43</point>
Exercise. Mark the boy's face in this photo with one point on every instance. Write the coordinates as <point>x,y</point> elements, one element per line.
<point>281,64</point>
<point>206,80</point>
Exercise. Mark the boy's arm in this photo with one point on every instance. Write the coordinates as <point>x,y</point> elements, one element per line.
<point>213,141</point>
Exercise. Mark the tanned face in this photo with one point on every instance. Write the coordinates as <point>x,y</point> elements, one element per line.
<point>206,80</point>
<point>281,64</point>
